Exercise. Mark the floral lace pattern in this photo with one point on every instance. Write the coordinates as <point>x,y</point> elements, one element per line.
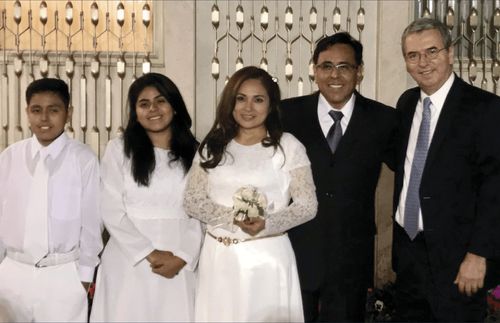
<point>198,205</point>
<point>302,190</point>
<point>302,209</point>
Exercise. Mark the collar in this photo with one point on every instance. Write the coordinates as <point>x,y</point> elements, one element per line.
<point>53,150</point>
<point>438,97</point>
<point>324,107</point>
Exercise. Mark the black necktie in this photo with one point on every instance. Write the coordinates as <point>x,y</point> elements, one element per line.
<point>335,133</point>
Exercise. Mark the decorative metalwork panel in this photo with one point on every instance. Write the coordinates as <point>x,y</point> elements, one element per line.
<point>278,36</point>
<point>475,27</point>
<point>94,46</point>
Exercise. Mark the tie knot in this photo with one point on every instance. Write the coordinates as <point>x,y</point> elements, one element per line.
<point>336,115</point>
<point>42,155</point>
<point>427,102</point>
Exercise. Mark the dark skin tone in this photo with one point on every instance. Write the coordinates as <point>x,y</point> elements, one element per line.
<point>252,226</point>
<point>165,263</point>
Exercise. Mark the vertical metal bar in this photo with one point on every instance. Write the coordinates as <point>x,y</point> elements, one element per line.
<point>5,109</point>
<point>108,104</point>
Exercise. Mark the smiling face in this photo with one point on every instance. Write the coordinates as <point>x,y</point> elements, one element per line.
<point>47,116</point>
<point>430,74</point>
<point>337,87</point>
<point>252,106</point>
<point>154,112</point>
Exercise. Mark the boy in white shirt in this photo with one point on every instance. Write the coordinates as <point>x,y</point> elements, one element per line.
<point>50,227</point>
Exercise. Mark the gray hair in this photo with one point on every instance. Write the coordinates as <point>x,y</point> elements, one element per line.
<point>422,24</point>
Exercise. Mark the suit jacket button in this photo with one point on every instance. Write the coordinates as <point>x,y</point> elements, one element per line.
<point>330,195</point>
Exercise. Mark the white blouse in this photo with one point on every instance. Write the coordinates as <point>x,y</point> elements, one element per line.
<point>144,218</point>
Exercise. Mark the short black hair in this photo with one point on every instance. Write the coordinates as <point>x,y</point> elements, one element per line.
<point>339,38</point>
<point>56,86</point>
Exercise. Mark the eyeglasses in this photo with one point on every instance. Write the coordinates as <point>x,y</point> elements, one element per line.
<point>342,68</point>
<point>429,53</point>
<point>157,102</point>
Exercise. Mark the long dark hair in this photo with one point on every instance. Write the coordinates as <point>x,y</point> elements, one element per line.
<point>225,127</point>
<point>137,145</point>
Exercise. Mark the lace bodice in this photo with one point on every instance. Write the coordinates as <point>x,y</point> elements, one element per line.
<point>282,175</point>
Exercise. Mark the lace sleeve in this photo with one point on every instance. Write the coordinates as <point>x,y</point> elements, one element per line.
<point>198,204</point>
<point>302,209</point>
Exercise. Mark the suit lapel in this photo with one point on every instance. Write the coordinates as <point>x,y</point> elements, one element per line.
<point>406,111</point>
<point>444,122</point>
<point>407,118</point>
<point>314,131</point>
<point>357,125</point>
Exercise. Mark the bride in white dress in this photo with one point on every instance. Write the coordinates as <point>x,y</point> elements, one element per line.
<point>247,270</point>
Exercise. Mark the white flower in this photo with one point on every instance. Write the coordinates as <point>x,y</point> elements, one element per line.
<point>253,211</point>
<point>248,202</point>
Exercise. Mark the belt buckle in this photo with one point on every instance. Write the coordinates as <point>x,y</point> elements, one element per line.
<point>227,241</point>
<point>38,265</point>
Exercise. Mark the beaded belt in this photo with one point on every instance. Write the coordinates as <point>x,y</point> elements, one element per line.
<point>227,241</point>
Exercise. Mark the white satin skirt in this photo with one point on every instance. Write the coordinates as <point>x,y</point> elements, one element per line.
<point>252,281</point>
<point>132,293</point>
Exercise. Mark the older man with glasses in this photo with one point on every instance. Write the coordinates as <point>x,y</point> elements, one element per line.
<point>347,138</point>
<point>447,185</point>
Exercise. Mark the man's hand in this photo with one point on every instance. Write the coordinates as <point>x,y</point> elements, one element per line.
<point>252,226</point>
<point>470,277</point>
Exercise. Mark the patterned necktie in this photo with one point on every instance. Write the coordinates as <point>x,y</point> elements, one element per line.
<point>36,226</point>
<point>412,205</point>
<point>335,133</point>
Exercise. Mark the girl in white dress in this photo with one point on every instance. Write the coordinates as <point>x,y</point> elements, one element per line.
<point>247,270</point>
<point>147,267</point>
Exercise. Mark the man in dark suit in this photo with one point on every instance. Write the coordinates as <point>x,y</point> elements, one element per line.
<point>335,250</point>
<point>447,185</point>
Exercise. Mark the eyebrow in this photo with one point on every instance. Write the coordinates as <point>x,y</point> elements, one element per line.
<point>48,106</point>
<point>257,95</point>
<point>341,62</point>
<point>156,97</point>
<point>417,51</point>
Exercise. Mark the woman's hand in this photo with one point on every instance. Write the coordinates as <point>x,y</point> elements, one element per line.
<point>165,263</point>
<point>252,226</point>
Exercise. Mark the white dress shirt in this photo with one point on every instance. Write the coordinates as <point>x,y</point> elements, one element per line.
<point>326,121</point>
<point>73,206</point>
<point>437,100</point>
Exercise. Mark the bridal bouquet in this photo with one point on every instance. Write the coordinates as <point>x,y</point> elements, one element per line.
<point>248,203</point>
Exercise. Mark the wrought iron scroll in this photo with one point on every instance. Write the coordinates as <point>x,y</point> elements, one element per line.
<point>83,42</point>
<point>475,28</point>
<point>285,42</point>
